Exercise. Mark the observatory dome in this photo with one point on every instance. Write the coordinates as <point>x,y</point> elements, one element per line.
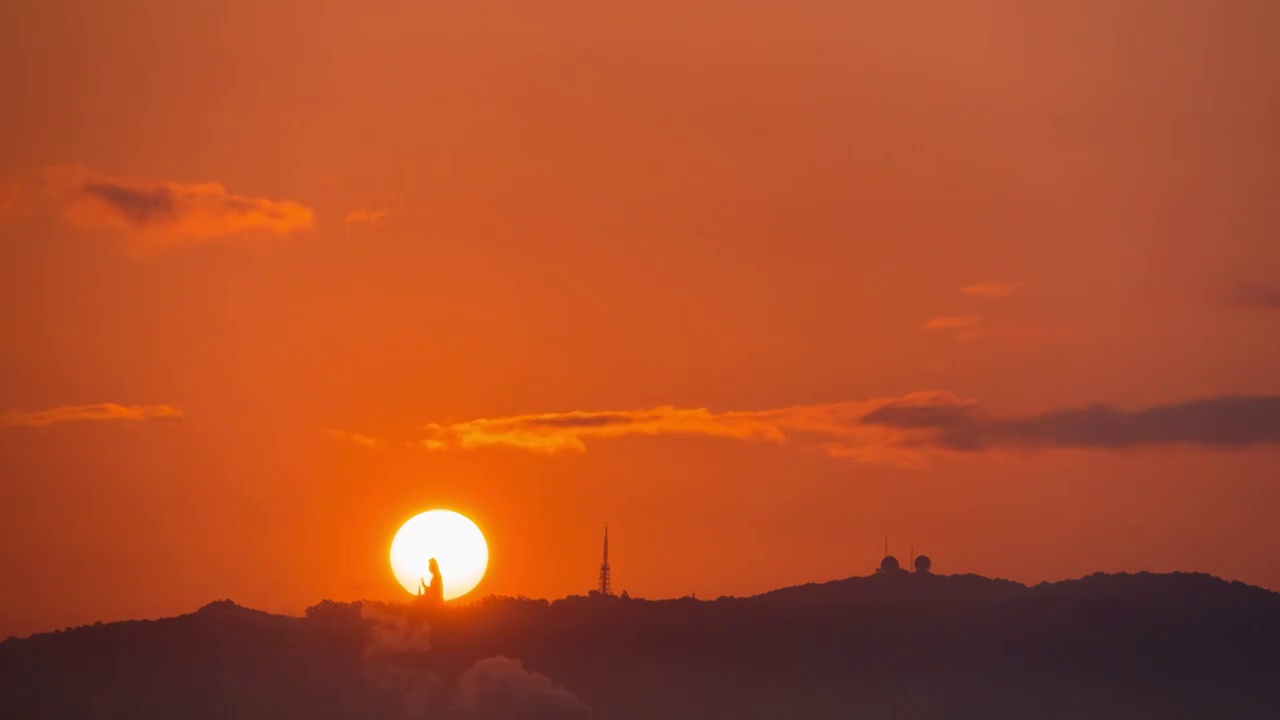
<point>923,564</point>
<point>889,564</point>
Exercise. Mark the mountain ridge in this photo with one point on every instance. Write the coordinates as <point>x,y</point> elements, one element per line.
<point>896,645</point>
<point>907,589</point>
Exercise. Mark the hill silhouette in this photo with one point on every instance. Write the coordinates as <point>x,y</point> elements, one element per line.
<point>886,646</point>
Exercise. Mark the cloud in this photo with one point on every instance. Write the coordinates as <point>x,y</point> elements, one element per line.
<point>951,322</point>
<point>900,431</point>
<point>13,197</point>
<point>1265,296</point>
<point>833,427</point>
<point>357,438</point>
<point>86,413</point>
<point>1223,421</point>
<point>398,665</point>
<point>940,413</point>
<point>365,217</point>
<point>393,633</point>
<point>975,327</point>
<point>565,432</point>
<point>994,289</point>
<point>499,688</point>
<point>396,648</point>
<point>161,214</point>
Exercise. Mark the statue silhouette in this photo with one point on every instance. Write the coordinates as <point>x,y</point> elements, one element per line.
<point>434,593</point>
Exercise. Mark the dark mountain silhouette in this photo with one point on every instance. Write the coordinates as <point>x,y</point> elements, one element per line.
<point>888,646</point>
<point>914,589</point>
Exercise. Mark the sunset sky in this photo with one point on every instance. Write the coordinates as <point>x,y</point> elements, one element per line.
<point>756,283</point>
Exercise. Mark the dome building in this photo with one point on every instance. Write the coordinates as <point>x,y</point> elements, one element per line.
<point>889,565</point>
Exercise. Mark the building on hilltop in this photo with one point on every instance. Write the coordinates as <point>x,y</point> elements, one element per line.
<point>889,564</point>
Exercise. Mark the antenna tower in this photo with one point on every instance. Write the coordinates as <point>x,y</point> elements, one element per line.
<point>606,577</point>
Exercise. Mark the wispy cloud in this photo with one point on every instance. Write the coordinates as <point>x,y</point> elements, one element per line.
<point>900,431</point>
<point>357,438</point>
<point>90,413</point>
<point>566,432</point>
<point>159,214</point>
<point>992,289</point>
<point>365,216</point>
<point>1265,296</point>
<point>951,322</point>
<point>833,427</point>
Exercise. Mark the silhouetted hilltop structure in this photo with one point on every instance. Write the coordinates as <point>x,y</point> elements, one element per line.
<point>889,565</point>
<point>433,593</point>
<point>897,587</point>
<point>900,645</point>
<point>605,584</point>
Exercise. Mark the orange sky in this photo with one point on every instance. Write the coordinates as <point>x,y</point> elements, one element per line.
<point>756,283</point>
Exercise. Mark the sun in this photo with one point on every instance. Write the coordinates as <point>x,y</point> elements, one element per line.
<point>452,539</point>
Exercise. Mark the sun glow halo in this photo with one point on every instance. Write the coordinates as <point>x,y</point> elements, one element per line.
<point>452,539</point>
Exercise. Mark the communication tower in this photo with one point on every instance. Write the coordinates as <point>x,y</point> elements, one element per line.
<point>606,577</point>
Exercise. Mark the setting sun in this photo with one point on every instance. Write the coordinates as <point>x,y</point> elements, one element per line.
<point>452,539</point>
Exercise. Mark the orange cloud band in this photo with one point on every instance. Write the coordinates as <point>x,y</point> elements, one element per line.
<point>901,431</point>
<point>837,426</point>
<point>88,413</point>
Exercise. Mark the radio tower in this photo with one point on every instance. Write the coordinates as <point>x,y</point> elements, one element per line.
<point>606,584</point>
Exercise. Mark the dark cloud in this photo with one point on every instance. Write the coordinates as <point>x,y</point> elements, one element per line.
<point>1256,295</point>
<point>1225,421</point>
<point>584,420</point>
<point>159,214</point>
<point>140,206</point>
<point>921,416</point>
